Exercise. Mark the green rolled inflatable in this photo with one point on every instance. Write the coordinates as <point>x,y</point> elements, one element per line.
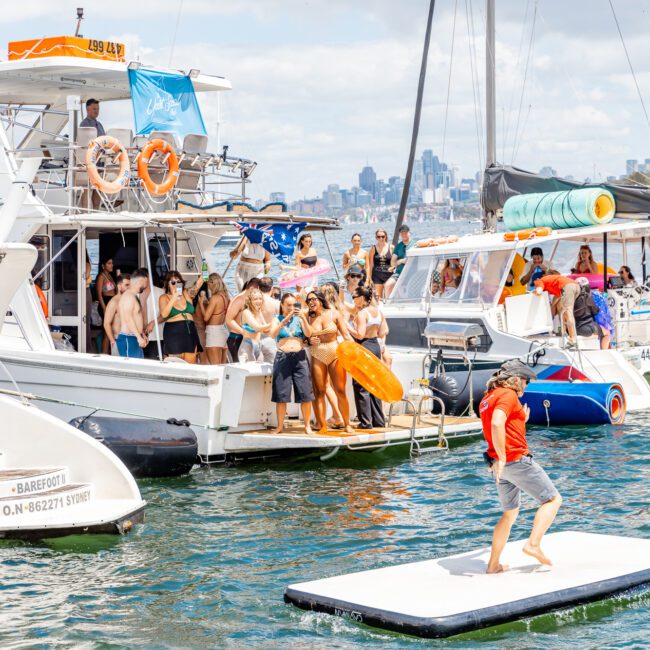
<point>589,206</point>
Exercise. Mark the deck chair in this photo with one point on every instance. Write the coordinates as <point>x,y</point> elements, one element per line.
<point>191,166</point>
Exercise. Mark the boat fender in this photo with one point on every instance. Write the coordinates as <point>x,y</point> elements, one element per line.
<point>172,166</point>
<point>453,389</point>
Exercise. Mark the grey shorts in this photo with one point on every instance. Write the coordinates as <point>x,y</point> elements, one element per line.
<point>524,474</point>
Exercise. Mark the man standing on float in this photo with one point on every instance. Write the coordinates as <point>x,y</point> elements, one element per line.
<point>504,427</point>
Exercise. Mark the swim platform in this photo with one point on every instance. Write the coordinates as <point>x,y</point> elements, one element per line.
<point>447,596</point>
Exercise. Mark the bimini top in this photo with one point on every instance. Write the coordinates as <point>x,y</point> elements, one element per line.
<point>46,80</point>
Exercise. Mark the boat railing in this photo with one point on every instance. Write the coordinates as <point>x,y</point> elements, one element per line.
<point>204,177</point>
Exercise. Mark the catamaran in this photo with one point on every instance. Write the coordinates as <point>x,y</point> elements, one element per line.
<point>228,407</point>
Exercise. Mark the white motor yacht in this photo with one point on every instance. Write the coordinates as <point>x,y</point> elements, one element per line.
<point>508,322</point>
<point>228,407</point>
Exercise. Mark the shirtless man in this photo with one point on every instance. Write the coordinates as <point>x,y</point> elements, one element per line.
<point>111,317</point>
<point>270,310</point>
<point>233,318</point>
<point>132,338</point>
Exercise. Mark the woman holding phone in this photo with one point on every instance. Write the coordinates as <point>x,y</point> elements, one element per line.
<point>181,338</point>
<point>291,366</point>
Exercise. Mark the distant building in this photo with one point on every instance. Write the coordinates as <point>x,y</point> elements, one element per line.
<point>332,197</point>
<point>547,171</point>
<point>631,166</point>
<point>277,197</point>
<point>367,180</point>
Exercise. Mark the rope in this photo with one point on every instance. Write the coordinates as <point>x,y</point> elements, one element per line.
<point>629,62</point>
<point>178,20</point>
<point>478,115</point>
<point>94,409</point>
<point>523,85</point>
<point>451,62</point>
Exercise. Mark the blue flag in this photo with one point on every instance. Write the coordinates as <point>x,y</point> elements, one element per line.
<point>164,101</point>
<point>278,239</point>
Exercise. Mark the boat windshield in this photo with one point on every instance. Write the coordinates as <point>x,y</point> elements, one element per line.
<point>470,278</point>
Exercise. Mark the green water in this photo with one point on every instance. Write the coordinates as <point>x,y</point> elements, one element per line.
<point>209,567</point>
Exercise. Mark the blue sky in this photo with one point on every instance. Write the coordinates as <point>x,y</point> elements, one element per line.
<point>319,88</point>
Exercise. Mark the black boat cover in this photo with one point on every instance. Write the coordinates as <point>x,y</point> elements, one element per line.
<point>503,181</point>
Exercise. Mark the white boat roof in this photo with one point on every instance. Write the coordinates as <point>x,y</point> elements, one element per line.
<point>617,231</point>
<point>41,81</point>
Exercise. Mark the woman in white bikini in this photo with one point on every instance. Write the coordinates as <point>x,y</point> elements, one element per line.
<point>214,315</point>
<point>254,324</point>
<point>255,261</point>
<point>326,324</point>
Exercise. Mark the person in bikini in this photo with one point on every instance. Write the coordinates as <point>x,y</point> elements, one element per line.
<point>132,338</point>
<point>106,290</point>
<point>233,318</point>
<point>504,428</point>
<point>326,324</point>
<point>254,325</point>
<point>356,258</point>
<point>214,315</point>
<point>176,307</point>
<point>111,316</point>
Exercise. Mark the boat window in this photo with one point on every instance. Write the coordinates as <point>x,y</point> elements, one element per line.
<point>483,276</point>
<point>447,277</point>
<point>412,285</point>
<point>64,274</point>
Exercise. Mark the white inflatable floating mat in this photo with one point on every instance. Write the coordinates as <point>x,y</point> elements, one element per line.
<point>450,595</point>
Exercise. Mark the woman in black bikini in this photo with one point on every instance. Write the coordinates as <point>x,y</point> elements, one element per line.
<point>180,337</point>
<point>106,288</point>
<point>380,256</point>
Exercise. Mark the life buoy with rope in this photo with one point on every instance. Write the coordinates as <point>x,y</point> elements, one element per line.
<point>172,166</point>
<point>43,300</point>
<point>527,233</point>
<point>95,148</point>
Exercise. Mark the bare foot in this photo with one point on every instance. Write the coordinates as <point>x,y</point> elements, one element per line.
<point>309,431</point>
<point>497,568</point>
<point>277,430</point>
<point>536,552</point>
<point>322,431</point>
<point>349,429</point>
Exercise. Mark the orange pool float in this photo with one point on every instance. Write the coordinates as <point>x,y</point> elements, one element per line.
<point>369,371</point>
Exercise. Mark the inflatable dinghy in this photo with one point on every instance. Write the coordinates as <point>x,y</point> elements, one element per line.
<point>149,448</point>
<point>450,595</point>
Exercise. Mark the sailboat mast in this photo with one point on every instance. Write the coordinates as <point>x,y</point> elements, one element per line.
<point>489,218</point>
<point>416,124</point>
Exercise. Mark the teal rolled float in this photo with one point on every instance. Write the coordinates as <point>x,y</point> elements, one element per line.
<point>589,206</point>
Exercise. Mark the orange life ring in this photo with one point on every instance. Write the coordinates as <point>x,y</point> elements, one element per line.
<point>43,300</point>
<point>369,371</point>
<point>527,233</point>
<point>95,147</point>
<point>143,166</point>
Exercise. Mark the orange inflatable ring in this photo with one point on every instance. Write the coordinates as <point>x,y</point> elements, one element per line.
<point>527,233</point>
<point>43,300</point>
<point>143,166</point>
<point>369,371</point>
<point>95,148</point>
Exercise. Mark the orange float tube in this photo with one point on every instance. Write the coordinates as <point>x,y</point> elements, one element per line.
<point>369,371</point>
<point>95,147</point>
<point>143,166</point>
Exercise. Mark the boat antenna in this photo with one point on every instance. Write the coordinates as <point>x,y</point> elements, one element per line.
<point>80,17</point>
<point>416,125</point>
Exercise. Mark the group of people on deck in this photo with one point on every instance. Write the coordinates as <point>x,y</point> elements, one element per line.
<point>297,331</point>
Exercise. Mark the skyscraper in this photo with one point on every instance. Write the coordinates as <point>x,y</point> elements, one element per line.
<point>368,179</point>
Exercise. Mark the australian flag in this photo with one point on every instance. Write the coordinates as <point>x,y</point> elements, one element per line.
<point>278,239</point>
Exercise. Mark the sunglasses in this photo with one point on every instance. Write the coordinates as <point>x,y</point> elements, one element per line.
<point>173,282</point>
<point>312,299</point>
<point>381,236</point>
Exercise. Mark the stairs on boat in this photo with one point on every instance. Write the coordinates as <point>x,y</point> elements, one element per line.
<point>37,493</point>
